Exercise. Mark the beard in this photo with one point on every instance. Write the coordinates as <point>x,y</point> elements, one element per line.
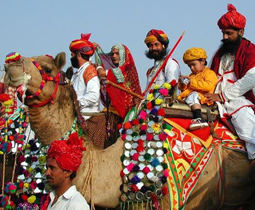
<point>74,62</point>
<point>156,55</point>
<point>229,46</point>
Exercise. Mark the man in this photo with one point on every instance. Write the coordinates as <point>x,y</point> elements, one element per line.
<point>234,64</point>
<point>157,42</point>
<point>118,66</point>
<point>85,80</point>
<point>63,161</point>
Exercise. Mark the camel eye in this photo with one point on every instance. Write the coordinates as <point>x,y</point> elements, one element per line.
<point>48,71</point>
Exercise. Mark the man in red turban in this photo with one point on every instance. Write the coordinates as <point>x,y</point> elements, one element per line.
<point>234,64</point>
<point>157,42</point>
<point>85,79</point>
<point>63,161</point>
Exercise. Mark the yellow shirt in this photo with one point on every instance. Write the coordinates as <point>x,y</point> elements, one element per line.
<point>203,82</point>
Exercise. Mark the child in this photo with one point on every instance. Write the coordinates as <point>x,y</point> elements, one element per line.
<point>201,80</point>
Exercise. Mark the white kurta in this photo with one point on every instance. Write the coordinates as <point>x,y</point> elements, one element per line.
<point>87,95</point>
<point>70,200</point>
<point>170,72</point>
<point>236,105</point>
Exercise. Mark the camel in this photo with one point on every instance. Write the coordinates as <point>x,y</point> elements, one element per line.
<point>98,178</point>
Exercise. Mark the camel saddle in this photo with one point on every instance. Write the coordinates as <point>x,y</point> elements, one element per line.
<point>181,110</point>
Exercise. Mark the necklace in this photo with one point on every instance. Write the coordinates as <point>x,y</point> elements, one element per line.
<point>225,66</point>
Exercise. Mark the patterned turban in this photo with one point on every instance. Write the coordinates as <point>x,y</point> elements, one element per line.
<point>83,45</point>
<point>157,35</point>
<point>194,53</point>
<point>67,153</point>
<point>232,19</point>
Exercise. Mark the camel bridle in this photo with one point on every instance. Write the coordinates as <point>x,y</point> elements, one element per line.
<point>45,78</point>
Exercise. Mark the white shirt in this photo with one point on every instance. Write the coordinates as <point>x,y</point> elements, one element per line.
<point>170,72</point>
<point>87,95</point>
<point>70,200</point>
<point>231,88</point>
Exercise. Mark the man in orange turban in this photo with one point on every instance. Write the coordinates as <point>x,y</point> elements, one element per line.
<point>157,42</point>
<point>234,63</point>
<point>85,79</point>
<point>63,160</point>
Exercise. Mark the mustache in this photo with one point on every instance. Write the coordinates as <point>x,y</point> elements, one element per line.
<point>48,177</point>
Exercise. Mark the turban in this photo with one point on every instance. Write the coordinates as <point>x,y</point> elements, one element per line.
<point>68,154</point>
<point>157,35</point>
<point>194,53</point>
<point>232,19</point>
<point>83,45</point>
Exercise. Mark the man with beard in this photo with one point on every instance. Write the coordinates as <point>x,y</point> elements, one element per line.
<point>63,161</point>
<point>157,42</point>
<point>234,64</point>
<point>85,79</point>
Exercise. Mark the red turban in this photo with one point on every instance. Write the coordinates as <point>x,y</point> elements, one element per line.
<point>68,154</point>
<point>232,19</point>
<point>157,35</point>
<point>83,45</point>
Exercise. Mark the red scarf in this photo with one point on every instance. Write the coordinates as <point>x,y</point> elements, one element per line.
<point>244,61</point>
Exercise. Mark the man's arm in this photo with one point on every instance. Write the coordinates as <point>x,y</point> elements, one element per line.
<point>92,93</point>
<point>241,86</point>
<point>172,70</point>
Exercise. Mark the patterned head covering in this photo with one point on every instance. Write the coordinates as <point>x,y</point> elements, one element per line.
<point>194,53</point>
<point>232,19</point>
<point>157,35</point>
<point>83,45</point>
<point>68,154</point>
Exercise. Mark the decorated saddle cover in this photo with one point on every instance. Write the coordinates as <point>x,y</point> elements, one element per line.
<point>161,156</point>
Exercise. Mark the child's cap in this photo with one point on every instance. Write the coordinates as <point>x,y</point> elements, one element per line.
<point>194,53</point>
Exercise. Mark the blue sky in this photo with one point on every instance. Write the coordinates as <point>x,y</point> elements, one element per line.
<point>47,27</point>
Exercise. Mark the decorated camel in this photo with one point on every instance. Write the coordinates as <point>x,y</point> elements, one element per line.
<point>224,183</point>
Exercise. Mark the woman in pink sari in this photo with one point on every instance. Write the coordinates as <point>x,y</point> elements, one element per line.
<point>118,67</point>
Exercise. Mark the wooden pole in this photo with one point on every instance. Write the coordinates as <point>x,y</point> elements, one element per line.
<point>123,89</point>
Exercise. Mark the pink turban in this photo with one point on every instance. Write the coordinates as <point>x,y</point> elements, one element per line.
<point>232,19</point>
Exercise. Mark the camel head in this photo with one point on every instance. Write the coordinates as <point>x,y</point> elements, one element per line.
<point>35,78</point>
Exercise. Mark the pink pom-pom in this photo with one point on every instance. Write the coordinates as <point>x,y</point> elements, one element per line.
<point>166,173</point>
<point>143,115</point>
<point>163,92</point>
<point>130,166</point>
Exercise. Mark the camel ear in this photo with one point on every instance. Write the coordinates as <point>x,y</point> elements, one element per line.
<point>60,60</point>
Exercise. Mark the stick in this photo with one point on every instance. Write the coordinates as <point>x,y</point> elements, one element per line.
<point>163,64</point>
<point>123,89</point>
<point>3,178</point>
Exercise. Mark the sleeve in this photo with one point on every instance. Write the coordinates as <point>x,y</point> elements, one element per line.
<point>241,86</point>
<point>172,70</point>
<point>92,93</point>
<point>206,84</point>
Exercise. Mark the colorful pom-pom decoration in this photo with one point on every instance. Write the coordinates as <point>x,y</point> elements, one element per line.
<point>12,57</point>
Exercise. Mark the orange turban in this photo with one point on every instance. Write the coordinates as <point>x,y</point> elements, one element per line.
<point>157,35</point>
<point>194,53</point>
<point>67,153</point>
<point>232,19</point>
<point>83,45</point>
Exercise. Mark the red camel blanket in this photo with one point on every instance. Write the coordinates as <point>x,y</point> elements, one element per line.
<point>188,156</point>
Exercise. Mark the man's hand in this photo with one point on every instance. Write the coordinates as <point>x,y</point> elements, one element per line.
<point>212,97</point>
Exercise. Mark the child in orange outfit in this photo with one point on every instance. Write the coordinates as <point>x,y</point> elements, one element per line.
<point>201,80</point>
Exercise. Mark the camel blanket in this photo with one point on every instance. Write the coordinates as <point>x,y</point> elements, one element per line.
<point>187,157</point>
